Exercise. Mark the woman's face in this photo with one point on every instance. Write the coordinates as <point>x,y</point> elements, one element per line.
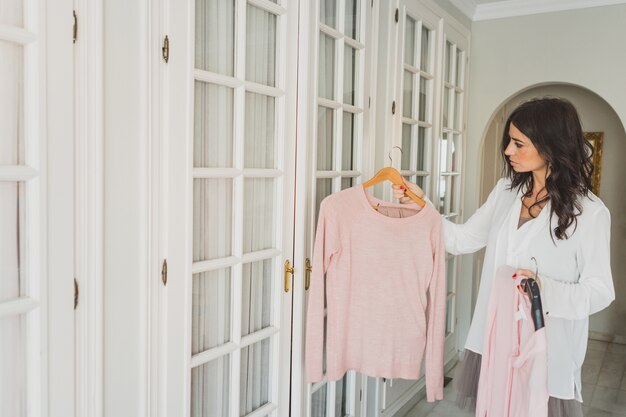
<point>522,154</point>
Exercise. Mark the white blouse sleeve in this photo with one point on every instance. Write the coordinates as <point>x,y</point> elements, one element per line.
<point>472,235</point>
<point>594,290</point>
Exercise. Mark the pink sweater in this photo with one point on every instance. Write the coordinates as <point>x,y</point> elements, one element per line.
<point>385,292</point>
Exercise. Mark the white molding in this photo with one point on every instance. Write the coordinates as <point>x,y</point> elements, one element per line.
<point>510,8</point>
<point>17,306</point>
<point>89,209</point>
<point>467,7</point>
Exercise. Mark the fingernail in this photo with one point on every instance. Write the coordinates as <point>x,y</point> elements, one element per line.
<point>514,275</point>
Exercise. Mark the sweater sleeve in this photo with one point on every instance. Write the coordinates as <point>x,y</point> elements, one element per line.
<point>326,242</point>
<point>472,235</point>
<point>594,290</point>
<point>436,320</point>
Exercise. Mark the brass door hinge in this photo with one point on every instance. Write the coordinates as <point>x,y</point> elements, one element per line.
<point>288,273</point>
<point>75,293</point>
<point>164,272</point>
<point>75,27</point>
<point>166,49</point>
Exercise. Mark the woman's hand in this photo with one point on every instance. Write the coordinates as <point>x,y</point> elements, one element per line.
<point>398,191</point>
<point>528,274</point>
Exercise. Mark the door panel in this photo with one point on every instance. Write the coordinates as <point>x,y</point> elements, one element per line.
<point>231,203</point>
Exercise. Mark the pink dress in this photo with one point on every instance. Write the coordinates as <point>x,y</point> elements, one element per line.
<point>513,373</point>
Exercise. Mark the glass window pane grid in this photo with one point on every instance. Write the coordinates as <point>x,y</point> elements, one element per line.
<point>211,309</point>
<point>256,295</point>
<point>260,217</point>
<point>213,126</point>
<point>410,41</point>
<point>215,52</point>
<point>261,32</point>
<point>325,139</point>
<point>328,12</point>
<point>450,315</point>
<point>326,54</point>
<point>426,48</point>
<point>352,25</point>
<point>212,216</point>
<point>260,132</point>
<point>254,381</point>
<point>210,388</point>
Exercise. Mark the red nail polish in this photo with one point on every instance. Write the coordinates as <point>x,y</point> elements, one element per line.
<point>514,275</point>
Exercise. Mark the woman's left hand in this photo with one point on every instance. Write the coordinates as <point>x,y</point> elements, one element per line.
<point>528,274</point>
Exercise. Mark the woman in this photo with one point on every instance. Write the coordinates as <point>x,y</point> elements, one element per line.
<point>543,209</point>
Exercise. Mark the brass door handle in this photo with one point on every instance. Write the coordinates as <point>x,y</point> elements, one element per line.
<point>307,275</point>
<point>288,272</point>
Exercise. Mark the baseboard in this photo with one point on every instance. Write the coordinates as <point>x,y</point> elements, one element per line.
<point>611,338</point>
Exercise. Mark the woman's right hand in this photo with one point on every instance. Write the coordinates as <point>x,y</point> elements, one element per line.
<point>398,191</point>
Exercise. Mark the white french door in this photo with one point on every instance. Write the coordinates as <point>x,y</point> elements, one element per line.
<point>231,86</point>
<point>36,207</point>
<point>341,35</point>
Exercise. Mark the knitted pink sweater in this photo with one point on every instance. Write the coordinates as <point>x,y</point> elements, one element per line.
<point>385,291</point>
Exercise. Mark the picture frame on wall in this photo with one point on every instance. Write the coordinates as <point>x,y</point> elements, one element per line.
<point>597,140</point>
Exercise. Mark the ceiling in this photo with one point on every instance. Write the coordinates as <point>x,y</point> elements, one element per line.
<point>496,9</point>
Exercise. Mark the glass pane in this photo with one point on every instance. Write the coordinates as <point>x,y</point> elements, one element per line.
<point>347,150</point>
<point>212,218</point>
<point>347,182</point>
<point>210,321</point>
<point>12,14</point>
<point>10,241</point>
<point>444,150</point>
<point>328,12</point>
<point>325,152</point>
<point>256,296</point>
<point>409,41</point>
<point>446,106</point>
<point>421,181</point>
<point>260,131</point>
<point>352,19</point>
<point>423,104</point>
<point>326,76</point>
<point>260,46</point>
<point>449,315</point>
<point>215,35</point>
<point>254,382</point>
<point>425,51</point>
<point>443,193</point>
<point>319,401</point>
<point>455,146</point>
<point>324,187</point>
<point>210,388</point>
<point>12,367</point>
<point>450,275</point>
<point>453,194</point>
<point>341,396</point>
<point>11,102</point>
<point>213,126</point>
<point>421,148</point>
<point>459,68</point>
<point>407,148</point>
<point>349,75</point>
<point>407,97</point>
<point>259,223</point>
<point>448,69</point>
<point>458,101</point>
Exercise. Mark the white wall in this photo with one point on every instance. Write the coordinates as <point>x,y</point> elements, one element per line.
<point>126,152</point>
<point>579,47</point>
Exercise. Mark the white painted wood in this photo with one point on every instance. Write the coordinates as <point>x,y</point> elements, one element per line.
<point>17,35</point>
<point>17,172</point>
<point>88,206</point>
<point>18,306</point>
<point>55,82</point>
<point>510,8</point>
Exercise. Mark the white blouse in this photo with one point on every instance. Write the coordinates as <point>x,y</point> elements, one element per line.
<point>575,273</point>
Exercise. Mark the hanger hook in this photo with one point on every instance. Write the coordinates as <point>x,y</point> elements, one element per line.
<point>389,155</point>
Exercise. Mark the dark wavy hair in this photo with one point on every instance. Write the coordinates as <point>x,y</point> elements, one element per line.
<point>553,126</point>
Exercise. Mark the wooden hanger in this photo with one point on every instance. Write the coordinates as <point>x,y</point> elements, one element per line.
<point>391,174</point>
